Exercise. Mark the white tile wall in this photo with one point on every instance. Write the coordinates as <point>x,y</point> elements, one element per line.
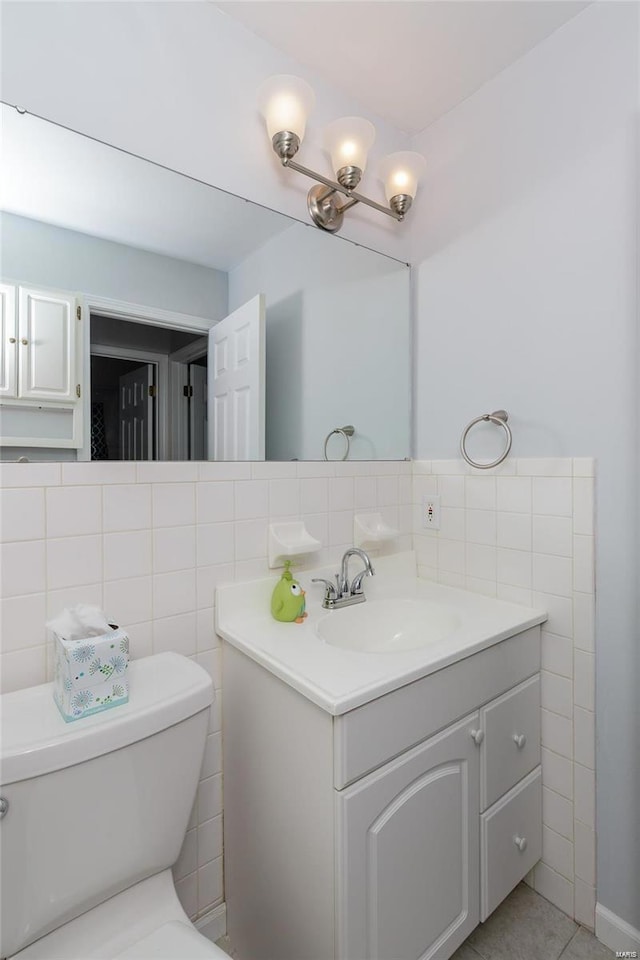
<point>149,542</point>
<point>524,532</point>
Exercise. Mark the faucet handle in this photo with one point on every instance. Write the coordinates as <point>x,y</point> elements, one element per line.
<point>356,583</point>
<point>331,592</point>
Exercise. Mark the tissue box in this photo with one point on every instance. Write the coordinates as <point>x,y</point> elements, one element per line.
<point>91,675</point>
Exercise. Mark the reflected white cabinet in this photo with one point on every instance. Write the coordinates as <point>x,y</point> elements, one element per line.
<point>8,343</point>
<point>384,833</point>
<point>40,366</point>
<point>47,345</point>
<point>407,884</point>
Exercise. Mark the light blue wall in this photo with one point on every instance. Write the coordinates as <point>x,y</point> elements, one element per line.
<point>38,253</point>
<point>338,347</point>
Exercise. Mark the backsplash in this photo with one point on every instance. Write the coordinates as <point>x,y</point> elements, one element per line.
<point>148,542</point>
<point>524,532</point>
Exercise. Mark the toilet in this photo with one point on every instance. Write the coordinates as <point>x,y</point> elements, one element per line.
<point>94,815</point>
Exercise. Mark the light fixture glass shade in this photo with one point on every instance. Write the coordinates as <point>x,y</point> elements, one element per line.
<point>401,173</point>
<point>349,140</point>
<point>285,102</point>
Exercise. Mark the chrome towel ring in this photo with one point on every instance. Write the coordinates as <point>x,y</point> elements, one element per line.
<point>345,432</point>
<point>499,417</point>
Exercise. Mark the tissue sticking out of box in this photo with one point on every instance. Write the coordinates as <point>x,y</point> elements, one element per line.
<point>92,660</point>
<point>80,622</point>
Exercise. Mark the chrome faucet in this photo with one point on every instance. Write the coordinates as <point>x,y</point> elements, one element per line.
<point>342,593</point>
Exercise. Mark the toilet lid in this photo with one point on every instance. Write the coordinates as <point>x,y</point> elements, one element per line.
<point>173,941</point>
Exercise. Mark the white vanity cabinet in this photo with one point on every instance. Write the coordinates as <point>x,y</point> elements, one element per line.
<point>41,378</point>
<point>387,832</point>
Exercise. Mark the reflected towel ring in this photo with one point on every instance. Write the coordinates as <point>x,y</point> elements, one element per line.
<point>499,417</point>
<point>345,432</point>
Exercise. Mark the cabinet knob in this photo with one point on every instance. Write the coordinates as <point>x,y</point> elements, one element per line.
<point>521,843</point>
<point>4,807</point>
<point>477,736</point>
<point>12,339</point>
<point>24,342</point>
<point>519,739</point>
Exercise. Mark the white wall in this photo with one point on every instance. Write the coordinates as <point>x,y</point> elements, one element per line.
<point>38,253</point>
<point>183,94</point>
<point>526,294</point>
<point>338,345</point>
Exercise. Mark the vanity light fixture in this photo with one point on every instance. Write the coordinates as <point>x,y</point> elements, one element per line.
<point>285,102</point>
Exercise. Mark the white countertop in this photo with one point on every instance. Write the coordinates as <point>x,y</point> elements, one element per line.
<point>339,680</point>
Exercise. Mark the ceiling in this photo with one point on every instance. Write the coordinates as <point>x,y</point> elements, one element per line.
<point>60,177</point>
<point>408,62</point>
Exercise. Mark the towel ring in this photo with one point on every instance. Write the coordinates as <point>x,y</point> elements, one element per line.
<point>345,432</point>
<point>499,417</point>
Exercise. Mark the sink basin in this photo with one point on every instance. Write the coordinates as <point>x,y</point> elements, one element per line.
<point>387,626</point>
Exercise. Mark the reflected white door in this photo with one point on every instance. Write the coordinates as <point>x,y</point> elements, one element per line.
<point>136,414</point>
<point>197,412</point>
<point>237,378</point>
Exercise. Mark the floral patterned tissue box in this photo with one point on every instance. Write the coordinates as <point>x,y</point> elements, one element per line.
<point>91,675</point>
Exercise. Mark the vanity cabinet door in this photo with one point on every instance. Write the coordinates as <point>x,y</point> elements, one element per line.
<point>408,853</point>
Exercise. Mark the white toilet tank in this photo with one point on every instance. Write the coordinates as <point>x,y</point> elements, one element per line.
<point>95,805</point>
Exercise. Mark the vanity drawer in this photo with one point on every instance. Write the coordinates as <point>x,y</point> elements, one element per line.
<point>510,841</point>
<point>511,748</point>
<point>374,733</point>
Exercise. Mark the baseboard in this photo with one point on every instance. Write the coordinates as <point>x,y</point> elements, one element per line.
<point>214,923</point>
<point>616,933</point>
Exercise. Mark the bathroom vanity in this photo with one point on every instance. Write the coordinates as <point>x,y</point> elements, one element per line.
<point>378,806</point>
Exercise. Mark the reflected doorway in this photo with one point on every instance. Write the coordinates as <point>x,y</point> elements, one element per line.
<point>148,387</point>
<point>123,409</point>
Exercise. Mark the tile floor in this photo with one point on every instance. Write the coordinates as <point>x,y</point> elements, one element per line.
<point>524,927</point>
<point>527,927</point>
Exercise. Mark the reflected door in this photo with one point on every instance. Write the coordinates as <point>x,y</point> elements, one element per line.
<point>136,414</point>
<point>237,378</point>
<point>197,412</point>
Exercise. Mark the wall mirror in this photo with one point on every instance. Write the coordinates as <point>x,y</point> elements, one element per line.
<point>147,315</point>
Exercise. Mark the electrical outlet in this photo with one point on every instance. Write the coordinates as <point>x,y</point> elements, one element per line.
<point>431,512</point>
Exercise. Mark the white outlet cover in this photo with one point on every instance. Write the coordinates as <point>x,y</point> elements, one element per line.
<point>431,512</point>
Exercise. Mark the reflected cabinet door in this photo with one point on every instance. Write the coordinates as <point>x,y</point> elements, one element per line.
<point>9,341</point>
<point>47,345</point>
<point>409,853</point>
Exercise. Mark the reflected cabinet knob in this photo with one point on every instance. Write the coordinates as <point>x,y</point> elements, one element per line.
<point>4,806</point>
<point>477,736</point>
<point>519,739</point>
<point>521,843</point>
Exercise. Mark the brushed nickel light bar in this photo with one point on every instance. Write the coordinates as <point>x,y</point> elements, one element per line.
<point>285,103</point>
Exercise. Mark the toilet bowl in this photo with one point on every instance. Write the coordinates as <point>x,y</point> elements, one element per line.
<point>95,816</point>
